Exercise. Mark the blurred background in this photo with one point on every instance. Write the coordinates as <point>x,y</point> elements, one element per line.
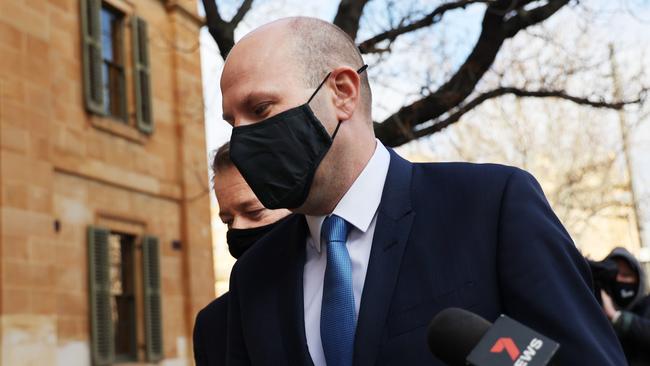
<point>110,111</point>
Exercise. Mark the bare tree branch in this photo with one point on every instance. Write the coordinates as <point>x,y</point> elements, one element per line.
<point>370,45</point>
<point>348,16</point>
<point>494,32</point>
<point>243,9</point>
<point>459,112</point>
<point>526,18</point>
<point>617,105</point>
<point>222,31</point>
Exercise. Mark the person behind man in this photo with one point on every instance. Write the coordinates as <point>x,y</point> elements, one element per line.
<point>380,245</point>
<point>248,220</point>
<point>627,305</point>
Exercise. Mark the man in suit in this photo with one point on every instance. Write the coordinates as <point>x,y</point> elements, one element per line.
<point>380,245</point>
<point>247,222</point>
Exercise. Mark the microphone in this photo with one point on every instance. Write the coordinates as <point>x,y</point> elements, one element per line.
<point>459,338</point>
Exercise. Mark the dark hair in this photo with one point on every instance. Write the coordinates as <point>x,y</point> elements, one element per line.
<point>221,159</point>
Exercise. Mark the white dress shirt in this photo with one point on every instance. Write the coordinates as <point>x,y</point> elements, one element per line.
<point>358,207</point>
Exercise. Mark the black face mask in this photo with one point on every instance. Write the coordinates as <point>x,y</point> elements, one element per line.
<point>278,156</point>
<point>240,240</point>
<point>624,293</point>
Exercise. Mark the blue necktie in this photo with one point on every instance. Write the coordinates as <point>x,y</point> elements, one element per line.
<point>337,316</point>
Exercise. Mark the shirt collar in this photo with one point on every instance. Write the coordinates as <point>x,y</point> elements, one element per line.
<point>359,204</point>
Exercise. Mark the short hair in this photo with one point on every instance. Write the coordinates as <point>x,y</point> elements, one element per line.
<point>221,160</point>
<point>322,46</point>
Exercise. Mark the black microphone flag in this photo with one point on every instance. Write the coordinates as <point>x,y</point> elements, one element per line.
<point>509,342</point>
<point>459,337</point>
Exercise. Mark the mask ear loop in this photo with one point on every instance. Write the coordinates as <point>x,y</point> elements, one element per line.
<point>319,86</point>
<point>338,125</point>
<point>359,71</point>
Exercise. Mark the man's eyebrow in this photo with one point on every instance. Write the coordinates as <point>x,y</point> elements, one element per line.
<point>256,95</point>
<point>251,98</point>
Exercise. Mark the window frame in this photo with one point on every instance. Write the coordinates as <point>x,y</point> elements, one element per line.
<point>146,280</point>
<point>134,125</point>
<point>119,66</point>
<point>131,242</point>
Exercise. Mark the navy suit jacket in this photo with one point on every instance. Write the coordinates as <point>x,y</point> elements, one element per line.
<point>478,237</point>
<point>210,333</point>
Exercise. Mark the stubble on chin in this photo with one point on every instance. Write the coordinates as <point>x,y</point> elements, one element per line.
<point>323,195</point>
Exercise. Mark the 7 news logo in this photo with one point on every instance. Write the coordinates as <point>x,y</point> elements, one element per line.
<point>506,344</point>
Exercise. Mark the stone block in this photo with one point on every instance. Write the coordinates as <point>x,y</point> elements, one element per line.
<point>24,19</point>
<point>67,327</point>
<point>14,247</point>
<point>44,302</point>
<point>69,141</point>
<point>10,36</point>
<point>40,199</point>
<point>70,278</point>
<point>42,250</point>
<point>38,98</point>
<point>16,274</point>
<point>15,195</point>
<point>71,303</point>
<point>73,258</point>
<point>64,5</point>
<point>25,223</point>
<point>15,139</point>
<point>19,168</point>
<point>16,300</point>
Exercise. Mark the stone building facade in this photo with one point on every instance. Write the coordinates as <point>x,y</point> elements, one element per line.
<point>105,240</point>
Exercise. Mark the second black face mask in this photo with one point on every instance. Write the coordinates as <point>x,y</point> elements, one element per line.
<point>278,156</point>
<point>240,240</point>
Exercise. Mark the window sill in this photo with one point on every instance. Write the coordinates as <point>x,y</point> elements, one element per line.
<point>118,128</point>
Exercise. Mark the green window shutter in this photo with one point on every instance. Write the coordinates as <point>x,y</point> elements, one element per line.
<point>101,322</point>
<point>141,77</point>
<point>152,298</point>
<point>92,55</point>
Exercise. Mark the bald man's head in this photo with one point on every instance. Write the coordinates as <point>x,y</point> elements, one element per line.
<point>309,49</point>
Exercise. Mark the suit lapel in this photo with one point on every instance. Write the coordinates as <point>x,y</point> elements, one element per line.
<point>290,294</point>
<point>394,219</point>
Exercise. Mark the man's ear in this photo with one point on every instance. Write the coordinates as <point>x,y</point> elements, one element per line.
<point>345,84</point>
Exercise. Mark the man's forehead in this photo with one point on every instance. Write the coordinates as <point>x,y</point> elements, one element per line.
<point>229,184</point>
<point>247,81</point>
<point>263,51</point>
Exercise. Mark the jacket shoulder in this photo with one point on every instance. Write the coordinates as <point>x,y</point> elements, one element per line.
<point>468,170</point>
<point>465,190</point>
<point>465,176</point>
